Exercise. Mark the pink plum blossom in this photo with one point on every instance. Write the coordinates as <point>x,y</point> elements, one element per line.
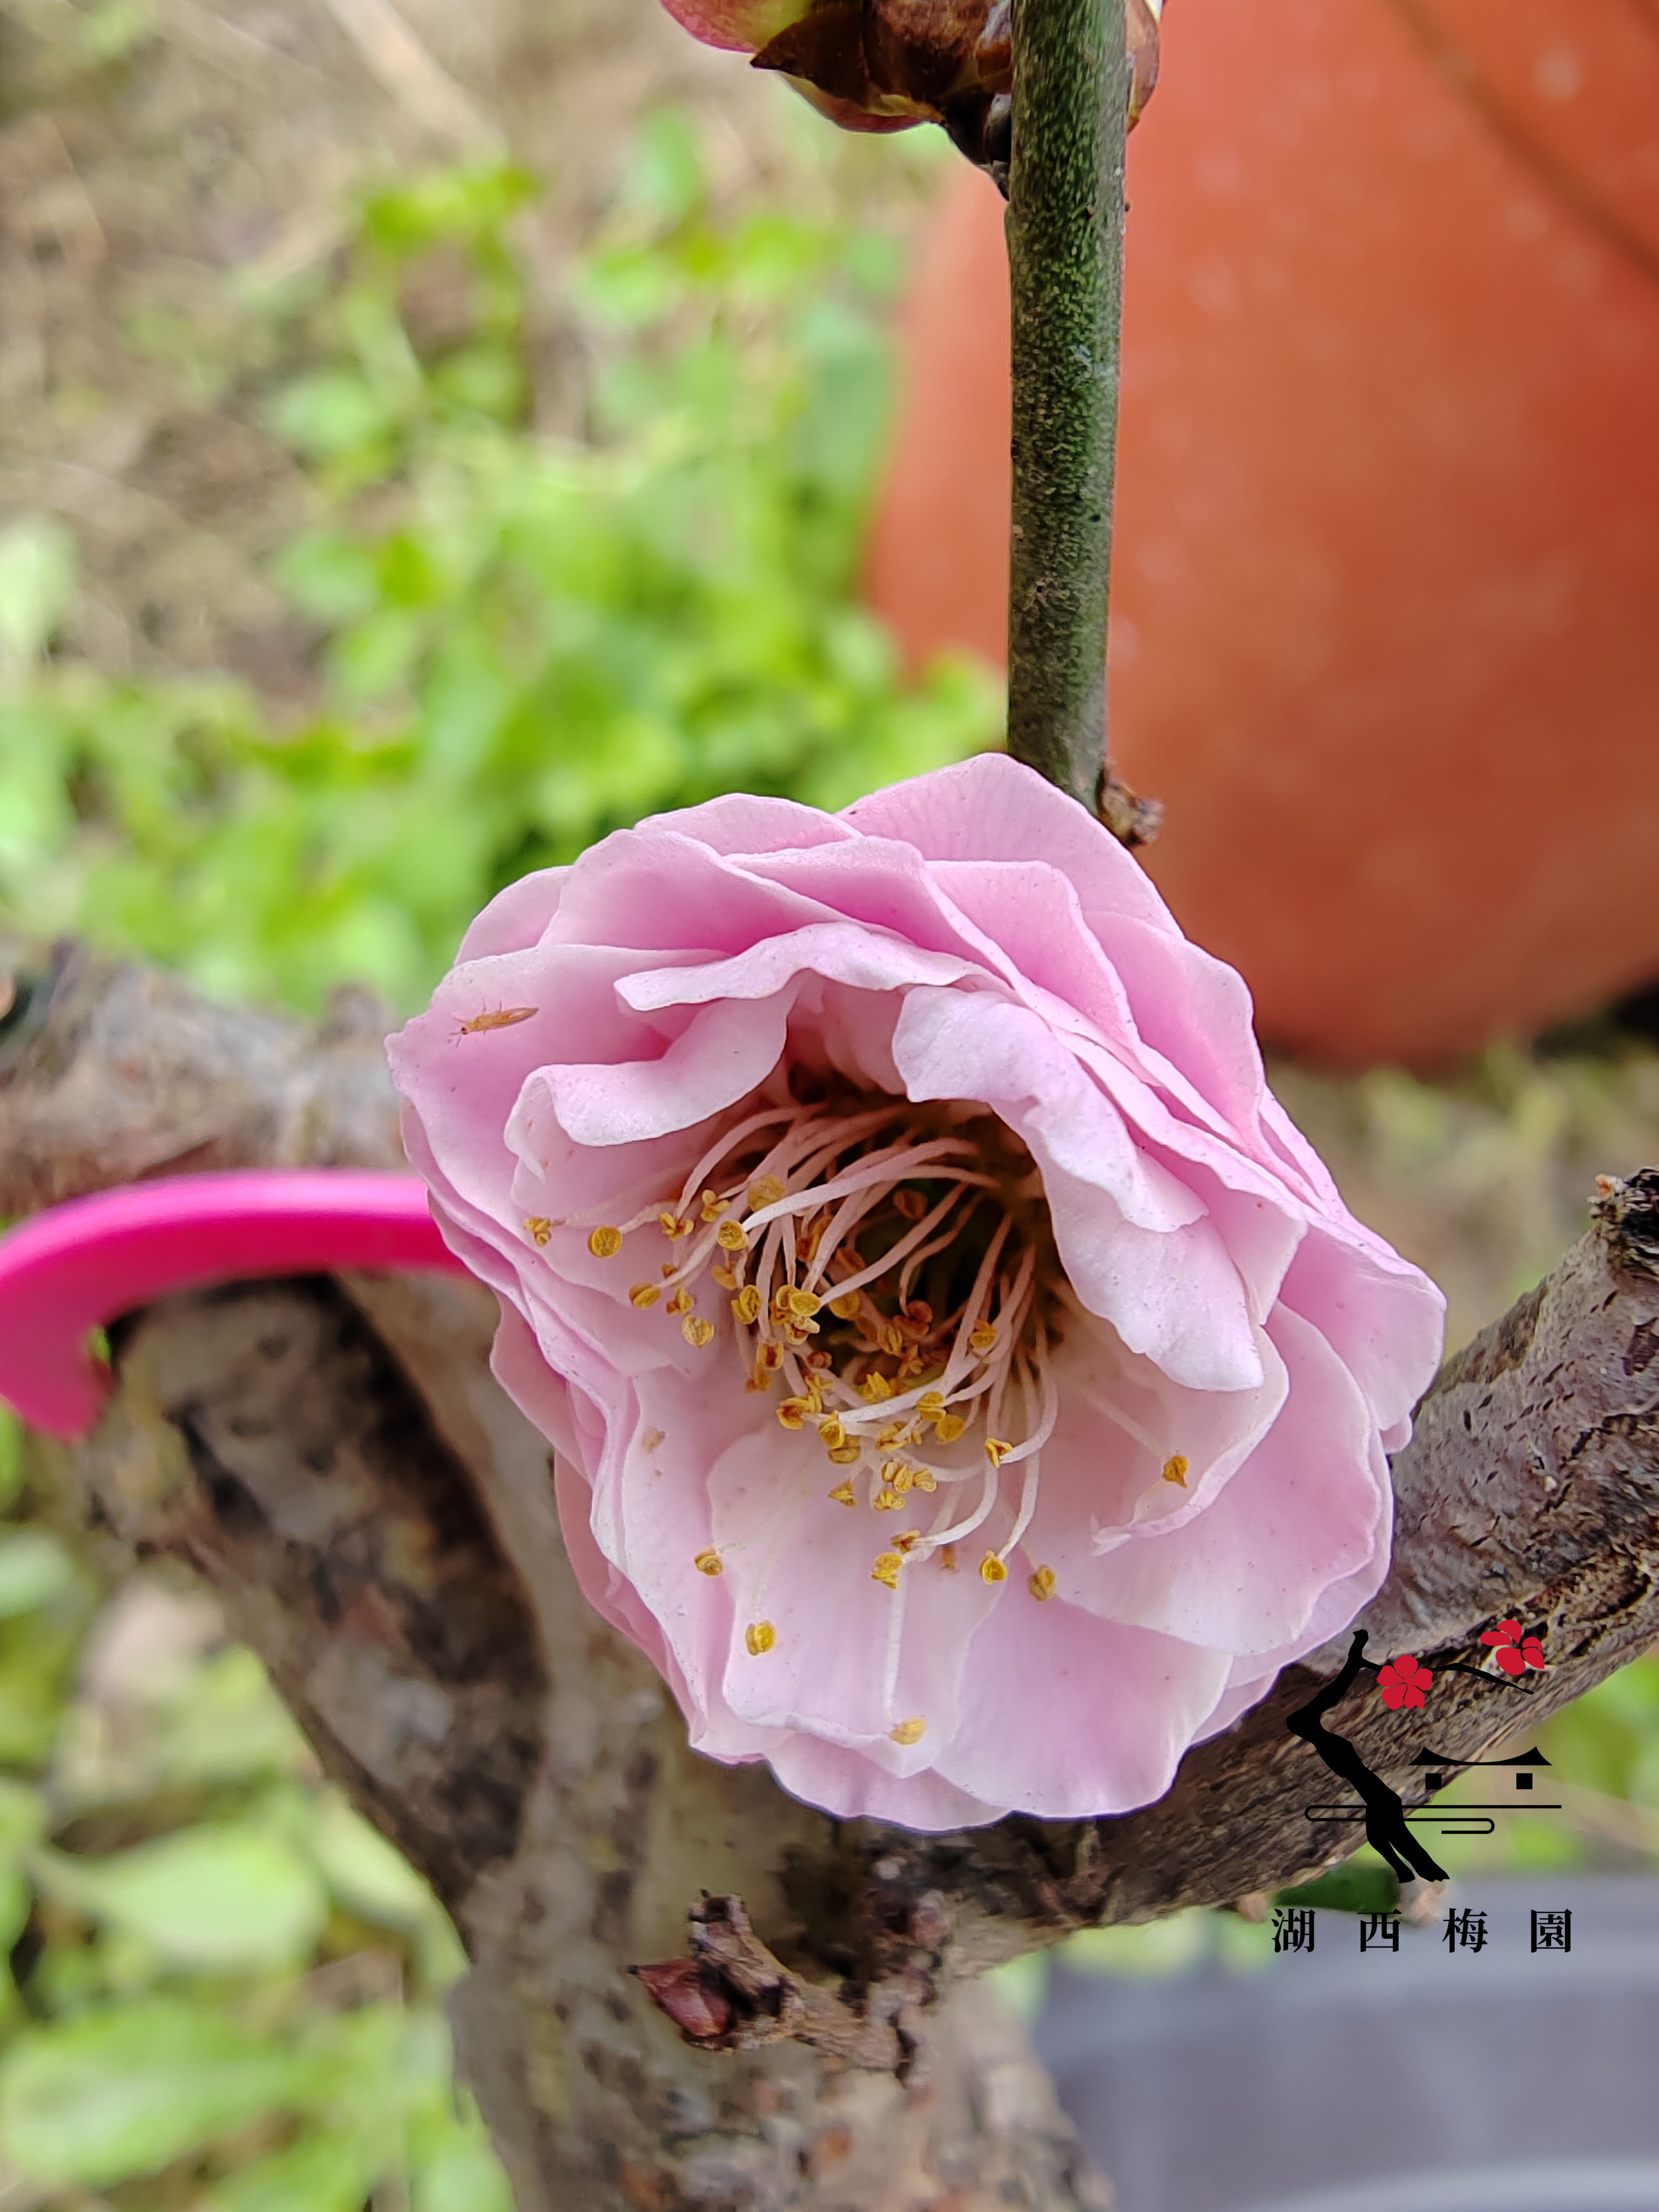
<point>963,1381</point>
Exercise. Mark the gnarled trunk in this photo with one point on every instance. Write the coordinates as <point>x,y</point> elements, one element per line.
<point>335,1459</point>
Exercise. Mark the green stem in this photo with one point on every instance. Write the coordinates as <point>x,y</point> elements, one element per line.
<point>1071,99</point>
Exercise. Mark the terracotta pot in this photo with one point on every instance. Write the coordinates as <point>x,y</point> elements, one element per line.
<point>1385,626</point>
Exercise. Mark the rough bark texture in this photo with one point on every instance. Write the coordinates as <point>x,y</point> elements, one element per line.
<point>337,1461</point>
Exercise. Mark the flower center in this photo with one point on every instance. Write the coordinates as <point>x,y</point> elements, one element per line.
<point>892,1273</point>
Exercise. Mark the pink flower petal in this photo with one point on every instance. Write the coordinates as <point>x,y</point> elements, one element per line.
<point>1201,1494</point>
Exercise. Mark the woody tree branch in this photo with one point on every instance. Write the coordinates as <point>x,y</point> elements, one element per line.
<point>1070,102</point>
<point>336,1461</point>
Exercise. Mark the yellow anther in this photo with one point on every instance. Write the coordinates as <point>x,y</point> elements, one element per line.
<point>1175,1469</point>
<point>848,1455</point>
<point>803,1304</point>
<point>730,1238</point>
<point>1042,1584</point>
<point>949,1427</point>
<point>712,1206</point>
<point>723,1278</point>
<point>888,1501</point>
<point>765,1190</point>
<point>669,1268</point>
<point>539,1229</point>
<point>906,1540</point>
<point>909,1732</point>
<point>605,1244</point>
<point>709,1562</point>
<point>643,1295</point>
<point>794,1411</point>
<point>875,1386</point>
<point>830,1430</point>
<point>982,1337</point>
<point>747,1305</point>
<point>947,1558</point>
<point>682,1301</point>
<point>996,1450</point>
<point>931,1405</point>
<point>697,1333</point>
<point>760,1635</point>
<point>890,1338</point>
<point>887,1568</point>
<point>770,1357</point>
<point>673,1227</point>
<point>895,1472</point>
<point>846,1307</point>
<point>991,1568</point>
<point>923,1478</point>
<point>844,1494</point>
<point>909,1203</point>
<point>896,1432</point>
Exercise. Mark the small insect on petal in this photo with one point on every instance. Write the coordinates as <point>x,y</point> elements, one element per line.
<point>604,1244</point>
<point>495,1018</point>
<point>760,1635</point>
<point>909,1732</point>
<point>1174,1469</point>
<point>539,1229</point>
<point>709,1562</point>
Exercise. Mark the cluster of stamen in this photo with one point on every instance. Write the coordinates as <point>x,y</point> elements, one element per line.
<point>891,1272</point>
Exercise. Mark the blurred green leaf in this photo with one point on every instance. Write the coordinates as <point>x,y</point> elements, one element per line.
<point>218,1899</point>
<point>37,567</point>
<point>96,2100</point>
<point>465,2176</point>
<point>325,2171</point>
<point>35,1568</point>
<point>365,1874</point>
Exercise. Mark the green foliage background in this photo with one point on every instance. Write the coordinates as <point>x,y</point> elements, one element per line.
<point>223,1991</point>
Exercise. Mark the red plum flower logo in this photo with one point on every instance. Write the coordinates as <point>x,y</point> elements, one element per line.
<point>1403,1682</point>
<point>1514,1652</point>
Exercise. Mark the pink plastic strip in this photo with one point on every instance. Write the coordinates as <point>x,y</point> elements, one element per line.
<point>73,1269</point>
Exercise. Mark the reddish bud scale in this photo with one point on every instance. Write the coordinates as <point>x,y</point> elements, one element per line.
<point>886,65</point>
